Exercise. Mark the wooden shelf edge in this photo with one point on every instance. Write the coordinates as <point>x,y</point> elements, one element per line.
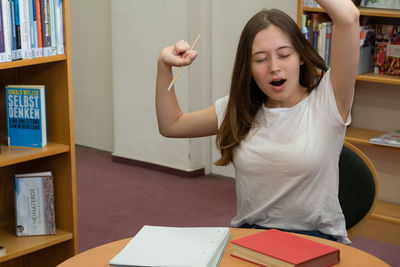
<point>14,155</point>
<point>361,136</point>
<point>379,12</point>
<point>379,78</point>
<point>33,61</point>
<point>364,11</point>
<point>386,212</point>
<point>19,246</point>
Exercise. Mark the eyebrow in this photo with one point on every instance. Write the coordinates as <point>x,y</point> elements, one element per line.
<point>279,48</point>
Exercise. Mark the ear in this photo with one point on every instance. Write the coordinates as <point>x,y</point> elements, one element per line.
<point>301,62</point>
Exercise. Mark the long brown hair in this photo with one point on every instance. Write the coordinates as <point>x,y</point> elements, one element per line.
<point>245,96</point>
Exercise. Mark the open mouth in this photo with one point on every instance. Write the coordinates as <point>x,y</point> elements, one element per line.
<point>278,82</point>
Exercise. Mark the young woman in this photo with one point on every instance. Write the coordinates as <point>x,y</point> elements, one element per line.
<point>282,124</point>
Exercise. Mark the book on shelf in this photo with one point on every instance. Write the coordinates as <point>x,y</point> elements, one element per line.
<point>6,30</point>
<point>24,28</point>
<point>367,49</point>
<point>387,4</point>
<point>387,41</point>
<point>278,248</point>
<point>26,115</point>
<point>30,29</point>
<point>389,139</point>
<point>317,29</point>
<point>15,30</point>
<point>34,204</point>
<point>46,33</point>
<point>379,43</point>
<point>52,24</point>
<point>39,51</point>
<point>59,27</point>
<point>174,246</point>
<point>310,3</point>
<point>2,251</point>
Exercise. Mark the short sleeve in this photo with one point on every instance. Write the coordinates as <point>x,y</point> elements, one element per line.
<point>326,102</point>
<point>220,108</point>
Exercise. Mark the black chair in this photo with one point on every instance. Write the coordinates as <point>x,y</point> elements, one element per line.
<point>358,186</point>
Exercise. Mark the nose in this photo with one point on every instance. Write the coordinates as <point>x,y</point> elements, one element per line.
<point>274,65</point>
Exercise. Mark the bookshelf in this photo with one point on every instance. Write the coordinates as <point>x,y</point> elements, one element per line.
<point>358,135</point>
<point>58,156</point>
<point>384,222</point>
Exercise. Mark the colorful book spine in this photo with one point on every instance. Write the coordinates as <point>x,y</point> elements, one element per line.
<point>34,202</point>
<point>45,21</point>
<point>39,29</point>
<point>16,34</point>
<point>59,26</point>
<point>24,29</point>
<point>2,41</point>
<point>7,28</point>
<point>26,115</point>
<point>33,28</point>
<point>52,23</point>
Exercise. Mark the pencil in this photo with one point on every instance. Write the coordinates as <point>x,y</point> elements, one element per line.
<point>180,68</point>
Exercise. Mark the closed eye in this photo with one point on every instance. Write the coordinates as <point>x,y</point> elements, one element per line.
<point>260,60</point>
<point>284,56</point>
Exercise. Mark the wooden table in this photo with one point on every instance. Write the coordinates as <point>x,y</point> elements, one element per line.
<point>100,256</point>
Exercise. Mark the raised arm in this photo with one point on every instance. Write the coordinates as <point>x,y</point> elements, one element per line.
<point>171,120</point>
<point>345,50</point>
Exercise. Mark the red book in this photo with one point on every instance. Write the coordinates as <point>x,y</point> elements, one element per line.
<point>39,23</point>
<point>277,248</point>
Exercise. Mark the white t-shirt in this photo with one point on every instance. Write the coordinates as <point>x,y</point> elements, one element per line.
<point>286,169</point>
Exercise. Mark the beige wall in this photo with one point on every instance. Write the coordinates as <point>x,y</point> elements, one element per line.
<point>92,73</point>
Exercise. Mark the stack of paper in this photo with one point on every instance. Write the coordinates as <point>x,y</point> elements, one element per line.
<point>174,246</point>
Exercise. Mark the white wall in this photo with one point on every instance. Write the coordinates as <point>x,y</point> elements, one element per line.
<point>92,73</point>
<point>140,29</point>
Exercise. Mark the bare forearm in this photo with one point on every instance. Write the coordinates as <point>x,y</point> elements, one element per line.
<point>167,107</point>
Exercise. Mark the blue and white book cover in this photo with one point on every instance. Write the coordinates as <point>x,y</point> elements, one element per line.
<point>26,115</point>
<point>34,204</point>
<point>59,26</point>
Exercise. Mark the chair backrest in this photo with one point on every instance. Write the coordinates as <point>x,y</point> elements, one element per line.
<point>358,185</point>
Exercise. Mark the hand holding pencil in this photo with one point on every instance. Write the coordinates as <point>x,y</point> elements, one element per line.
<point>180,55</point>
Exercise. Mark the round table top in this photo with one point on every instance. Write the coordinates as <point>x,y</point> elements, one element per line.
<point>101,255</point>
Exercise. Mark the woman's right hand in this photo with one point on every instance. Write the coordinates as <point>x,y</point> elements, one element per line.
<point>177,55</point>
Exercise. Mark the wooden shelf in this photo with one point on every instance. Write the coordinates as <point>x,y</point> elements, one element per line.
<point>379,12</point>
<point>19,246</point>
<point>374,12</point>
<point>30,62</point>
<point>378,78</point>
<point>14,155</point>
<point>362,136</point>
<point>387,212</point>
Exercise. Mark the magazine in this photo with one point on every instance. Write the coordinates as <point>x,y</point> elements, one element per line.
<point>389,139</point>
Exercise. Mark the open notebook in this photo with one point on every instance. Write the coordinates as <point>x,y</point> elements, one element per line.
<point>174,246</point>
